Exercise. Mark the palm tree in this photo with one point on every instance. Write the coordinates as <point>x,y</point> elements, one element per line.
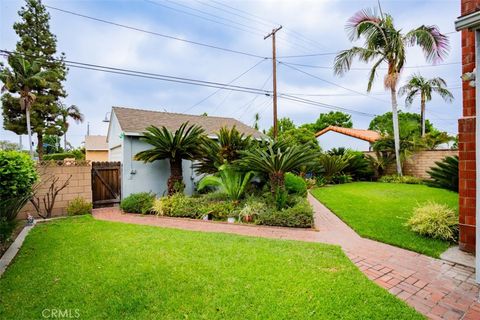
<point>23,77</point>
<point>184,143</point>
<point>225,148</point>
<point>69,112</point>
<point>419,86</point>
<point>275,159</point>
<point>386,44</point>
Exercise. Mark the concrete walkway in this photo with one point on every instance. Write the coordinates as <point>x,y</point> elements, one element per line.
<point>436,288</point>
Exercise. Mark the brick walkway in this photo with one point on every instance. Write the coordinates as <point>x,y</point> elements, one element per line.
<point>436,288</point>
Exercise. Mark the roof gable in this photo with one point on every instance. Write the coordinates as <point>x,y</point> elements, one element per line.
<point>366,135</point>
<point>135,121</point>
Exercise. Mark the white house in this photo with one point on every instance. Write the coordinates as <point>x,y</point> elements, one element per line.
<point>124,132</point>
<point>355,139</point>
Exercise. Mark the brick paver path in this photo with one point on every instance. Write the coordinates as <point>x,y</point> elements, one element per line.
<point>436,288</point>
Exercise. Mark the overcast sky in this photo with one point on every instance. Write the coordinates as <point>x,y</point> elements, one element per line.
<point>310,27</point>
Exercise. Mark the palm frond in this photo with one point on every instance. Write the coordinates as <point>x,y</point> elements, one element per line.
<point>434,44</point>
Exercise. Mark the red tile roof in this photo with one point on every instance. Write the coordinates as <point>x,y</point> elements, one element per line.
<point>366,135</point>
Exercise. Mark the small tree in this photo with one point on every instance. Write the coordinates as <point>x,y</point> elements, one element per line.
<point>184,143</point>
<point>48,200</point>
<point>72,112</point>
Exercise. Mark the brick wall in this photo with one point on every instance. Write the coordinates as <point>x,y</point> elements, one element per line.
<point>419,163</point>
<point>79,185</point>
<point>466,139</point>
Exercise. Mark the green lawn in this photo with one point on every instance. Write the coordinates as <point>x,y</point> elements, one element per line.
<point>380,210</point>
<point>121,271</point>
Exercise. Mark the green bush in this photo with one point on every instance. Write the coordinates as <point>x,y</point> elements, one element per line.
<point>179,205</point>
<point>252,207</point>
<point>295,184</point>
<point>17,174</point>
<point>6,229</point>
<point>401,179</point>
<point>300,215</point>
<point>435,220</point>
<point>138,203</point>
<point>79,206</point>
<point>445,174</point>
<point>342,178</point>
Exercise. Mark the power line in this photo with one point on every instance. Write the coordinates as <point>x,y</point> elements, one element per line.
<point>216,91</point>
<point>250,103</point>
<point>350,94</point>
<point>310,55</point>
<point>407,67</point>
<point>330,82</point>
<point>155,33</point>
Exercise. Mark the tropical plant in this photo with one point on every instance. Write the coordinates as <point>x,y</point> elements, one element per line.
<point>433,139</point>
<point>419,86</point>
<point>184,143</point>
<point>22,77</point>
<point>386,44</point>
<point>226,147</point>
<point>274,159</point>
<point>380,162</point>
<point>72,112</point>
<point>333,165</point>
<point>229,180</point>
<point>435,220</point>
<point>445,174</point>
<point>358,165</point>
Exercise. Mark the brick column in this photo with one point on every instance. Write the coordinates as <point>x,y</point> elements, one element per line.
<point>466,139</point>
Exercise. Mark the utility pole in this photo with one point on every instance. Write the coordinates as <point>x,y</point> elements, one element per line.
<point>274,78</point>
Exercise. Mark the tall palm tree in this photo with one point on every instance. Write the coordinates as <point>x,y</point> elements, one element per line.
<point>23,77</point>
<point>184,143</point>
<point>386,44</point>
<point>69,112</point>
<point>419,86</point>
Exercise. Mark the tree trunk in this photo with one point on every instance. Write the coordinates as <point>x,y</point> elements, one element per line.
<point>40,146</point>
<point>396,130</point>
<point>422,114</point>
<point>277,181</point>
<point>176,176</point>
<point>29,131</point>
<point>65,141</point>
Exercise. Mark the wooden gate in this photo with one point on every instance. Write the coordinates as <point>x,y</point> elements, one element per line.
<point>106,183</point>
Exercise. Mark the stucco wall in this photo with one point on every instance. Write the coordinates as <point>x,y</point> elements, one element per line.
<point>96,155</point>
<point>149,177</point>
<point>79,185</point>
<point>332,139</point>
<point>419,163</point>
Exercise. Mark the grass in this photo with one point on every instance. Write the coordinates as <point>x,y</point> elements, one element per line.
<point>379,211</point>
<point>121,271</point>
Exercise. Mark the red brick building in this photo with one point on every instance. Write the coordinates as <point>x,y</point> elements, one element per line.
<point>466,130</point>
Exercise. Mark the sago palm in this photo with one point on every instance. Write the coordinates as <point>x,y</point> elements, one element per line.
<point>184,143</point>
<point>275,159</point>
<point>230,180</point>
<point>72,112</point>
<point>23,77</point>
<point>419,86</point>
<point>386,44</point>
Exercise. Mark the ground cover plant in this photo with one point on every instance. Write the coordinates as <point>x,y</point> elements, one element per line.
<point>380,211</point>
<point>123,271</point>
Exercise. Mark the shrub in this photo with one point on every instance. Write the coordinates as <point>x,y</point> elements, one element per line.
<point>357,164</point>
<point>180,205</point>
<point>435,220</point>
<point>138,202</point>
<point>332,165</point>
<point>79,206</point>
<point>401,179</point>
<point>217,209</point>
<point>311,182</point>
<point>299,215</point>
<point>445,174</point>
<point>17,174</point>
<point>295,184</point>
<point>342,178</point>
<point>78,155</point>
<point>252,207</point>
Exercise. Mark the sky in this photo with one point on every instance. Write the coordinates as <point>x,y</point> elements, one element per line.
<point>309,28</point>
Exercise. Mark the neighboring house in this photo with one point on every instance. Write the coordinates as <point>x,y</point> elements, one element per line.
<point>355,139</point>
<point>124,132</point>
<point>469,131</point>
<point>96,148</point>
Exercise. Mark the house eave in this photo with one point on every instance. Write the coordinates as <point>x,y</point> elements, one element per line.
<point>468,22</point>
